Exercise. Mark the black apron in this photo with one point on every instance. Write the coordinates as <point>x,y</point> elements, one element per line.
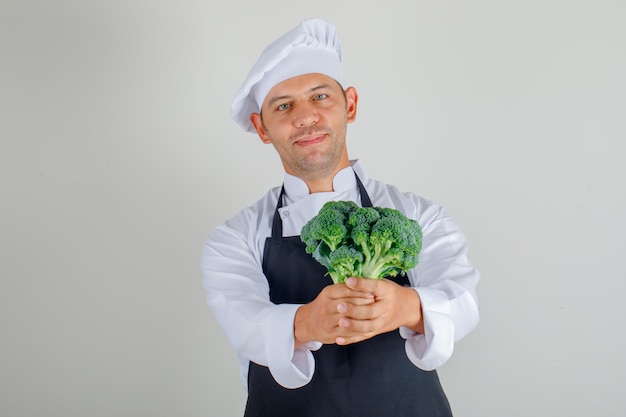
<point>370,378</point>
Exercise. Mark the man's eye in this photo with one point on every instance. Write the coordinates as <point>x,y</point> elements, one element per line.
<point>283,106</point>
<point>320,96</point>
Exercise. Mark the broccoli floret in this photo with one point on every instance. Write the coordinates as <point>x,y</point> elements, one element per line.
<point>345,262</point>
<point>395,243</point>
<point>328,230</point>
<point>371,242</point>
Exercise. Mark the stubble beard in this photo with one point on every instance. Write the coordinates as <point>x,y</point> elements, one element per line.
<point>317,164</point>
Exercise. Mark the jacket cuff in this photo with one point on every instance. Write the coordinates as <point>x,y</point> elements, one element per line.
<point>290,368</point>
<point>432,349</point>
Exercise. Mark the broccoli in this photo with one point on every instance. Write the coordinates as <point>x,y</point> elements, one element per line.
<point>371,242</point>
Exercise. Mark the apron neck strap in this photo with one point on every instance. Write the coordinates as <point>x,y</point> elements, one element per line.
<point>365,198</point>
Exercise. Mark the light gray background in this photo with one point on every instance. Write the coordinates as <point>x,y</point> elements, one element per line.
<point>117,158</point>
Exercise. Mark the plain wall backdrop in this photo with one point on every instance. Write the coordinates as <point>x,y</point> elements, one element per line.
<point>118,156</point>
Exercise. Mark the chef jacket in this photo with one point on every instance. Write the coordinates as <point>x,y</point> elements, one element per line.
<point>262,332</point>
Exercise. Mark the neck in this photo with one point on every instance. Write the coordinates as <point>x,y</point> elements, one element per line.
<point>320,186</point>
<point>320,183</point>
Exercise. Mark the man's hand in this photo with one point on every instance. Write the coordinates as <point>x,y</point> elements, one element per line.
<point>358,310</point>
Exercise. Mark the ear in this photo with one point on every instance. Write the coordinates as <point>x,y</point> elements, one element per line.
<point>255,119</point>
<point>352,99</point>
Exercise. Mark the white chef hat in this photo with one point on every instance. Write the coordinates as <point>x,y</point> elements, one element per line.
<point>310,47</point>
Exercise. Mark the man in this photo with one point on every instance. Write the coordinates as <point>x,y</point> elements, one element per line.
<point>308,347</point>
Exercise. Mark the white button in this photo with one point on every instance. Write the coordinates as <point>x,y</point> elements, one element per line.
<point>285,214</point>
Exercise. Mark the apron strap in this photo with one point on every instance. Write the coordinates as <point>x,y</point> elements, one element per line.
<point>365,198</point>
<point>277,223</point>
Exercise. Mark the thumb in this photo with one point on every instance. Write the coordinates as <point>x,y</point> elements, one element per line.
<point>360,284</point>
<point>352,283</point>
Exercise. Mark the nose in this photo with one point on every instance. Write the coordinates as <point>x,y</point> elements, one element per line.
<point>305,116</point>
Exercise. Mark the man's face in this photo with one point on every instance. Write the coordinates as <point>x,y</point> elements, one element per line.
<point>305,118</point>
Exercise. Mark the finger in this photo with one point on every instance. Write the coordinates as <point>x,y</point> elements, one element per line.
<point>366,285</point>
<point>368,308</point>
<point>365,322</point>
<point>357,327</point>
<point>347,340</point>
<point>358,301</point>
<point>361,312</point>
<point>349,305</point>
<point>339,291</point>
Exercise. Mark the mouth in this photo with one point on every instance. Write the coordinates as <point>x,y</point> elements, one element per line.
<point>310,139</point>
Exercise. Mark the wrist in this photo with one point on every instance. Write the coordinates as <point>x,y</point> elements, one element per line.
<point>413,313</point>
<point>300,335</point>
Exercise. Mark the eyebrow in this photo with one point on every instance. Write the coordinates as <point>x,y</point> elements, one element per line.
<point>312,89</point>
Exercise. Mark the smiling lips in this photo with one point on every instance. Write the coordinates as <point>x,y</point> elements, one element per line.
<point>310,138</point>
